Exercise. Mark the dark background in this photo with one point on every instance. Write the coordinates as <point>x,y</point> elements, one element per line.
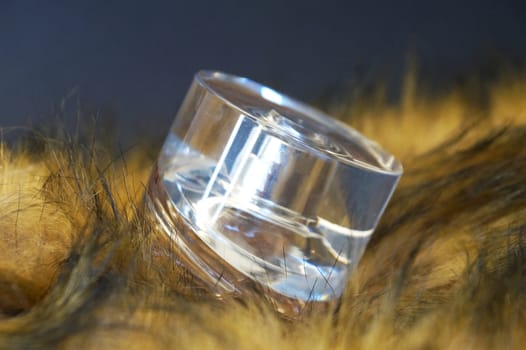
<point>134,60</point>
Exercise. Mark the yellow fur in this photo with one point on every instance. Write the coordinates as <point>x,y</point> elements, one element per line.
<point>411,290</point>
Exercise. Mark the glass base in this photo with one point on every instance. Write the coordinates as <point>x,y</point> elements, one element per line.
<point>209,270</point>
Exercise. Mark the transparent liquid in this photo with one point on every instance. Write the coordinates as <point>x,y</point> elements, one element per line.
<point>307,258</point>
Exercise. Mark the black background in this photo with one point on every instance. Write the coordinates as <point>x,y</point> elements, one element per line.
<point>136,59</point>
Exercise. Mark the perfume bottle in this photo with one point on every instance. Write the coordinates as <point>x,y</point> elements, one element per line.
<point>258,191</point>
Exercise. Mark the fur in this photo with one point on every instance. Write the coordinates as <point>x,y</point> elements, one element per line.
<point>81,265</point>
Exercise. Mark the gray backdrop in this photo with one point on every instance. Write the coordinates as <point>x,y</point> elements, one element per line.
<point>134,60</point>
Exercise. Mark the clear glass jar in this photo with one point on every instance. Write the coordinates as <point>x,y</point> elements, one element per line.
<point>257,190</point>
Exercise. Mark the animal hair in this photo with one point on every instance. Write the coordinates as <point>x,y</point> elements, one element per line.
<point>82,264</point>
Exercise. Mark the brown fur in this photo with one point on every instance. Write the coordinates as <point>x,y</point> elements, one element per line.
<point>82,266</point>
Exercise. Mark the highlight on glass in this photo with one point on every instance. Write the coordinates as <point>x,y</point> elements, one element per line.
<point>258,191</point>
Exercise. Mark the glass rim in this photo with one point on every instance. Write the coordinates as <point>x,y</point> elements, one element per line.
<point>204,78</point>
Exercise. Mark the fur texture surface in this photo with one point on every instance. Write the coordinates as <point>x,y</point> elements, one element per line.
<point>82,267</point>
